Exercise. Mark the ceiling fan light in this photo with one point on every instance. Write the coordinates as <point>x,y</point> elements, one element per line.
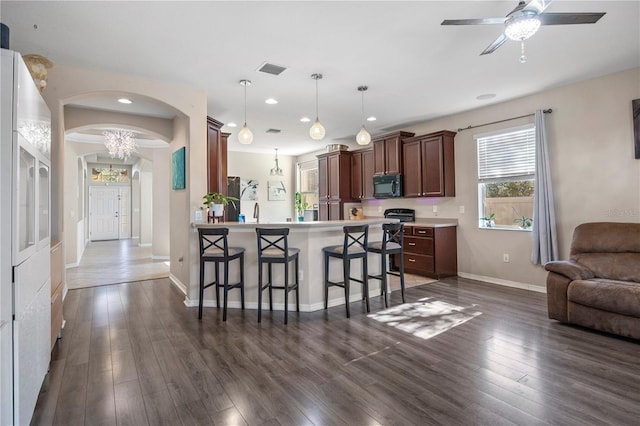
<point>521,27</point>
<point>245,136</point>
<point>317,131</point>
<point>363,137</point>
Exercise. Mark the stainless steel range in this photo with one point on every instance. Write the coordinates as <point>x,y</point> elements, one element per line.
<point>403,215</point>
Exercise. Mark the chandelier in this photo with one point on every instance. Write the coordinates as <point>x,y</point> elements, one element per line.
<point>276,171</point>
<point>119,143</point>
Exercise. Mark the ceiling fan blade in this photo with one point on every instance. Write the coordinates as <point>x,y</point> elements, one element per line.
<point>480,21</point>
<point>569,18</point>
<point>538,6</point>
<point>496,43</point>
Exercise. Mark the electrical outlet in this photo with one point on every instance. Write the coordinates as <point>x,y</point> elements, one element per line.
<point>198,216</point>
<point>379,209</point>
<point>300,275</point>
<point>435,209</point>
<point>505,258</point>
<point>461,209</point>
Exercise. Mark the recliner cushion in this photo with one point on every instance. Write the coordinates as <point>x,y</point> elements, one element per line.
<point>622,297</point>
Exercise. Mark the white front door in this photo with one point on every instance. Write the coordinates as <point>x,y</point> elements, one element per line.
<point>103,213</point>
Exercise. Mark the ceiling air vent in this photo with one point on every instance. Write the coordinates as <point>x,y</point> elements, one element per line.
<point>273,131</point>
<point>271,69</point>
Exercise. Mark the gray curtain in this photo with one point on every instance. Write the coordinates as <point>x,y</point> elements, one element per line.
<point>545,240</point>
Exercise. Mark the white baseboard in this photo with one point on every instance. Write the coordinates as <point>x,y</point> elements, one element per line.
<point>211,303</point>
<point>72,265</point>
<point>135,237</point>
<point>159,257</point>
<point>178,284</point>
<point>502,282</point>
<point>144,244</point>
<point>65,290</point>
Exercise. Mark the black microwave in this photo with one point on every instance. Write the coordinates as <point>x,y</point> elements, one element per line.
<point>387,186</point>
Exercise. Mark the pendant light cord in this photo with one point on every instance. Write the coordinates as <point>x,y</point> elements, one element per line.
<point>316,98</point>
<point>245,105</point>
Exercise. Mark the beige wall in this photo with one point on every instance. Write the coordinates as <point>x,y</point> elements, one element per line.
<point>258,166</point>
<point>595,177</point>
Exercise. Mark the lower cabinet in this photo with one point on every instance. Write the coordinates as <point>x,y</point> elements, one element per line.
<point>330,210</point>
<point>430,251</point>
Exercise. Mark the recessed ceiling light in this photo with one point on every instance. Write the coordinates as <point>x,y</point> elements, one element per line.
<point>372,118</point>
<point>232,124</point>
<point>125,101</point>
<point>305,119</point>
<point>486,96</point>
<point>271,101</point>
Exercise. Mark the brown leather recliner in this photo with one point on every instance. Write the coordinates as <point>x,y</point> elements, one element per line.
<point>599,287</point>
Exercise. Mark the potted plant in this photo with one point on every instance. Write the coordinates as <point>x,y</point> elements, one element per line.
<point>522,220</point>
<point>300,206</point>
<point>217,201</point>
<point>489,221</point>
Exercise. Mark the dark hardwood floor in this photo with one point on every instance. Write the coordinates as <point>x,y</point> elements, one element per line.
<point>132,354</point>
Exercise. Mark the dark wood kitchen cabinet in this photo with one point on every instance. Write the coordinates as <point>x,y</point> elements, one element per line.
<point>429,165</point>
<point>334,184</point>
<point>362,174</point>
<point>216,157</point>
<point>387,153</point>
<point>430,251</point>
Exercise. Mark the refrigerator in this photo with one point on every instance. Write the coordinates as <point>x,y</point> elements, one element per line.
<point>25,237</point>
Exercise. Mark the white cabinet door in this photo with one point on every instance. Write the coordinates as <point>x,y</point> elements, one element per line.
<point>6,376</point>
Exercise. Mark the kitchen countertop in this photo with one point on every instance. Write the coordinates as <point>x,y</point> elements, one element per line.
<point>434,223</point>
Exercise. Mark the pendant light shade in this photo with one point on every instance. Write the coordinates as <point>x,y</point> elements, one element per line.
<point>245,135</point>
<point>317,131</point>
<point>363,137</point>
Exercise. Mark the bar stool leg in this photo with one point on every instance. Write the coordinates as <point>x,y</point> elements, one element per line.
<point>297,286</point>
<point>346,265</point>
<point>217,285</point>
<point>286,291</point>
<point>226,290</point>
<point>270,289</point>
<point>242,280</point>
<point>326,280</point>
<point>260,265</point>
<point>201,289</point>
<point>402,276</point>
<point>383,281</point>
<point>365,281</point>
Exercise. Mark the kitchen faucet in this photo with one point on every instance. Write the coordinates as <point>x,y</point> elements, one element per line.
<point>256,212</point>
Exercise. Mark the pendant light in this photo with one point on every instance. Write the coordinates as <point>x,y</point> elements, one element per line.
<point>363,137</point>
<point>317,131</point>
<point>276,171</point>
<point>245,135</point>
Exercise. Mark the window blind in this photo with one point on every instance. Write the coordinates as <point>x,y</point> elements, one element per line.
<point>507,155</point>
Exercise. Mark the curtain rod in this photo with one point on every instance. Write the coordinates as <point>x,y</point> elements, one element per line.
<point>546,111</point>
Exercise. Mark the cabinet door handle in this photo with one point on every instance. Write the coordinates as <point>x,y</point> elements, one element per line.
<point>422,232</point>
<point>412,244</point>
<point>412,260</point>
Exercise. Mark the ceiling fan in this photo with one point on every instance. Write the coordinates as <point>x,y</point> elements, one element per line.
<point>524,21</point>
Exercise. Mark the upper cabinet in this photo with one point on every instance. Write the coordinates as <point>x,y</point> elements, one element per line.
<point>429,165</point>
<point>362,168</point>
<point>334,184</point>
<point>216,157</point>
<point>387,153</point>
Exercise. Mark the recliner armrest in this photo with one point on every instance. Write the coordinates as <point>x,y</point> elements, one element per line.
<point>569,269</point>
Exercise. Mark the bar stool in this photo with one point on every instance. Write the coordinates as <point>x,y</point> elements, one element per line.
<point>353,247</point>
<point>273,247</point>
<point>214,248</point>
<point>391,244</point>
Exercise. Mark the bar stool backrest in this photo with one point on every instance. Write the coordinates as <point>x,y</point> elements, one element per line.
<point>392,236</point>
<point>272,242</point>
<point>355,239</point>
<point>213,242</point>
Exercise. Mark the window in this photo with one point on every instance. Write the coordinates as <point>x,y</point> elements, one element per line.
<point>506,174</point>
<point>308,182</point>
<point>109,175</point>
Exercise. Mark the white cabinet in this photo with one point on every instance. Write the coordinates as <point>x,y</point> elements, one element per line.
<point>25,237</point>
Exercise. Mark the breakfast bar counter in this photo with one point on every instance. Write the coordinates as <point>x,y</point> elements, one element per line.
<point>310,238</point>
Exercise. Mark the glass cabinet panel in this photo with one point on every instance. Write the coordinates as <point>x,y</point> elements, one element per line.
<point>26,219</point>
<point>43,204</point>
